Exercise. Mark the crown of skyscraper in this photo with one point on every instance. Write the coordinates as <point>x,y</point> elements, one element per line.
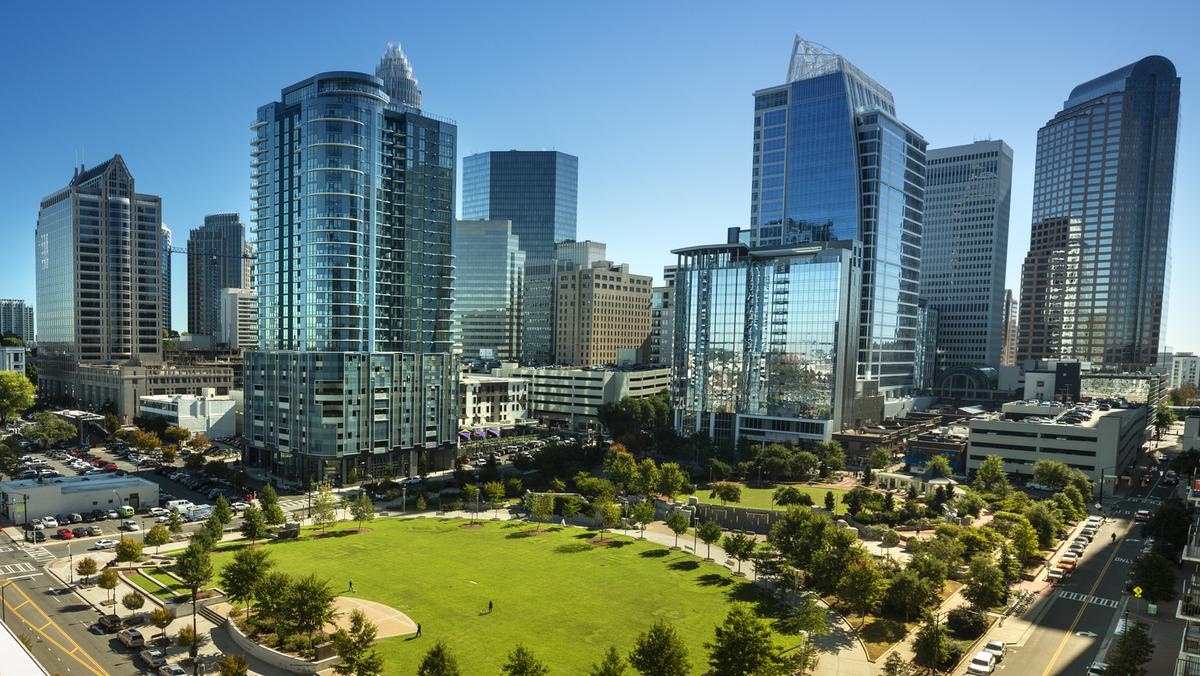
<point>397,75</point>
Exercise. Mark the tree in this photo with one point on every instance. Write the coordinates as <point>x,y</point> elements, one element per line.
<point>471,495</point>
<point>660,652</point>
<point>677,521</point>
<point>1052,474</point>
<point>939,467</point>
<point>362,509</point>
<point>612,664</point>
<point>189,638</point>
<point>521,662</point>
<point>1024,541</point>
<point>495,494</point>
<point>643,514</point>
<point>194,568</point>
<point>648,477</point>
<point>1155,575</point>
<point>830,501</point>
<point>739,547</point>
<point>223,511</point>
<point>709,532</point>
<point>540,506</point>
<point>16,394</point>
<point>169,455</point>
<point>1169,524</point>
<point>49,429</point>
<point>355,647</point>
<point>146,441</point>
<point>161,618</point>
<point>790,495</point>
<point>108,581</point>
<point>272,598</point>
<point>310,604</point>
<point>832,456</point>
<point>862,587</point>
<point>606,514</point>
<point>254,526</point>
<point>671,480</point>
<point>620,467</point>
<point>881,456</point>
<point>1164,417</point>
<point>174,522</point>
<point>233,665</point>
<point>1045,521</point>
<point>128,551</point>
<point>985,587</point>
<point>895,665</point>
<point>439,662</point>
<point>242,576</point>
<point>1131,651</point>
<point>176,435</point>
<point>991,477</point>
<point>268,497</point>
<point>133,601</point>
<point>726,493</point>
<point>324,507</point>
<point>86,568</point>
<point>909,594</point>
<point>742,646</point>
<point>570,507</point>
<point>200,441</point>
<point>931,646</point>
<point>805,465</point>
<point>214,528</point>
<point>273,514</point>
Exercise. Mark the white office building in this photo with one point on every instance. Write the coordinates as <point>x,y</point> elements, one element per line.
<point>1185,370</point>
<point>12,358</point>
<point>207,414</point>
<point>27,499</point>
<point>238,325</point>
<point>570,397</point>
<point>491,403</point>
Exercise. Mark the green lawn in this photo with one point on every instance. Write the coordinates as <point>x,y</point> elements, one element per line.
<point>174,585</point>
<point>760,498</point>
<point>149,586</point>
<point>563,598</point>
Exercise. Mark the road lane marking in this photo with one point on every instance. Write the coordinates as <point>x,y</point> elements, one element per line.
<point>1079,615</point>
<point>1076,596</point>
<point>83,658</point>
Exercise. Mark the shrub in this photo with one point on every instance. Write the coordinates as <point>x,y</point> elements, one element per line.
<point>966,623</point>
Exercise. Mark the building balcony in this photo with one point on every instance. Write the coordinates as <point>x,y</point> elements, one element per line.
<point>1190,646</point>
<point>1191,547</point>
<point>1189,602</point>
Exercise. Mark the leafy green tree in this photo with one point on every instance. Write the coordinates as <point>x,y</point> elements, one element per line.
<point>495,494</point>
<point>909,594</point>
<point>174,522</point>
<point>742,645</point>
<point>620,467</point>
<point>939,467</point>
<point>606,514</point>
<point>233,665</point>
<point>514,487</point>
<point>310,603</point>
<point>1169,525</point>
<point>16,394</point>
<point>931,646</point>
<point>521,662</point>
<point>648,477</point>
<point>439,662</point>
<point>324,507</point>
<point>677,521</point>
<point>671,480</point>
<point>146,441</point>
<point>612,664</point>
<point>1131,651</point>
<point>49,429</point>
<point>862,587</point>
<point>194,568</point>
<point>1045,521</point>
<point>541,507</point>
<point>242,576</point>
<point>709,532</point>
<point>268,497</point>
<point>643,514</point>
<point>362,509</point>
<point>161,618</point>
<point>86,568</point>
<point>895,665</point>
<point>790,495</point>
<point>569,507</point>
<point>133,601</point>
<point>128,551</point>
<point>272,598</point>
<point>1164,417</point>
<point>830,501</point>
<point>214,527</point>
<point>1052,474</point>
<point>176,435</point>
<point>833,458</point>
<point>108,581</point>
<point>254,525</point>
<point>805,465</point>
<point>1155,575</point>
<point>223,511</point>
<point>881,456</point>
<point>660,652</point>
<point>986,587</point>
<point>356,648</point>
<point>274,515</point>
<point>726,493</point>
<point>739,547</point>
<point>991,477</point>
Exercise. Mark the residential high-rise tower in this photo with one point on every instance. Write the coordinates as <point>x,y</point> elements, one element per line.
<point>1094,283</point>
<point>215,261</point>
<point>16,317</point>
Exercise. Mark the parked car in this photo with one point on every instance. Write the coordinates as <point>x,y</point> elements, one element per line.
<point>997,648</point>
<point>37,524</point>
<point>132,638</point>
<point>65,534</point>
<point>1141,516</point>
<point>104,544</point>
<point>94,531</point>
<point>982,663</point>
<point>49,522</point>
<point>80,532</point>
<point>157,511</point>
<point>171,670</point>
<point>39,536</point>
<point>153,658</point>
<point>129,525</point>
<point>1097,668</point>
<point>109,624</point>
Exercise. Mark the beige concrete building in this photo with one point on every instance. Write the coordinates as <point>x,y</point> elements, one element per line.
<point>601,309</point>
<point>569,398</point>
<point>123,385</point>
<point>492,402</point>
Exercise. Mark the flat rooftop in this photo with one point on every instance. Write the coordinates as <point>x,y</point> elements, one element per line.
<point>1058,414</point>
<point>77,484</point>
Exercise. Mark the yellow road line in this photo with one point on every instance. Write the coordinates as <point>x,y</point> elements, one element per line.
<point>1078,616</point>
<point>90,663</point>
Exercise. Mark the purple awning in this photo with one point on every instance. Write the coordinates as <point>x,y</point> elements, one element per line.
<point>465,435</point>
<point>479,434</point>
<point>494,431</point>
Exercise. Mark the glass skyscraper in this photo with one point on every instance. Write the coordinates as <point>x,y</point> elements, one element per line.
<point>215,262</point>
<point>1094,284</point>
<point>489,270</point>
<point>352,212</point>
<point>833,162</point>
<point>964,251</point>
<point>538,192</point>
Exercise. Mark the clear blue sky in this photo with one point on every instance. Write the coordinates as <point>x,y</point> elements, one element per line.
<point>654,98</point>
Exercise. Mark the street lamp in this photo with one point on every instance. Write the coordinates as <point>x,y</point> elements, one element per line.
<point>114,492</point>
<point>71,562</point>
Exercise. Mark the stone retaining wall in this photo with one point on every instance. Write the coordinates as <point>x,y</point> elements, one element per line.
<point>289,663</point>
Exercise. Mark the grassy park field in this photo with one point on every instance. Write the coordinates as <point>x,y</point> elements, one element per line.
<point>760,498</point>
<point>562,597</point>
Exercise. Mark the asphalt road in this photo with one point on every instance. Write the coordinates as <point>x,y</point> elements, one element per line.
<point>1084,610</point>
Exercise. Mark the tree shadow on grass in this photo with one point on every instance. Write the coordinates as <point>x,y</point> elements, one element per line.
<point>573,548</point>
<point>522,534</point>
<point>654,553</point>
<point>684,565</point>
<point>512,523</point>
<point>714,580</point>
<point>587,535</point>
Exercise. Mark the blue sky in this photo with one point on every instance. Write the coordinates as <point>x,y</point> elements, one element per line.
<point>654,98</point>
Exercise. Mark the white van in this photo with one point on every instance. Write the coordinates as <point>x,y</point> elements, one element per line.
<point>181,506</point>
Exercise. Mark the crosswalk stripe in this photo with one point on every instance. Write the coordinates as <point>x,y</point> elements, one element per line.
<point>1084,598</point>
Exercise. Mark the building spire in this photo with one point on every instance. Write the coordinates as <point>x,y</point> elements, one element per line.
<point>397,75</point>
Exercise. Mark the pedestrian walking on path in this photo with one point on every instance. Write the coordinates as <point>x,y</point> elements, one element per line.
<point>489,607</point>
<point>418,630</point>
<point>351,585</point>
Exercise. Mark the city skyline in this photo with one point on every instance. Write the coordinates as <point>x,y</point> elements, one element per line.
<point>642,209</point>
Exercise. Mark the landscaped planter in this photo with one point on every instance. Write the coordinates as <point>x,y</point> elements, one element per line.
<point>275,658</point>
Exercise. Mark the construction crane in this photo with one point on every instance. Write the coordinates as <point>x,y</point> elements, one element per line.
<point>183,250</point>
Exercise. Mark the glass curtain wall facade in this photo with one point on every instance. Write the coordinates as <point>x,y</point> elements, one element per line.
<point>353,199</point>
<point>165,303</point>
<point>1103,183</point>
<point>538,192</point>
<point>215,262</point>
<point>765,340</point>
<point>489,271</point>
<point>832,162</point>
<point>965,250</point>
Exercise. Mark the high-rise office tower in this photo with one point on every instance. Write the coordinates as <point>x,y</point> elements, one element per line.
<point>16,317</point>
<point>964,250</point>
<point>538,192</point>
<point>489,271</point>
<point>1094,283</point>
<point>166,280</point>
<point>660,343</point>
<point>99,276</point>
<point>215,261</point>
<point>832,162</point>
<point>399,83</point>
<point>1008,348</point>
<point>353,201</point>
<point>601,310</point>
